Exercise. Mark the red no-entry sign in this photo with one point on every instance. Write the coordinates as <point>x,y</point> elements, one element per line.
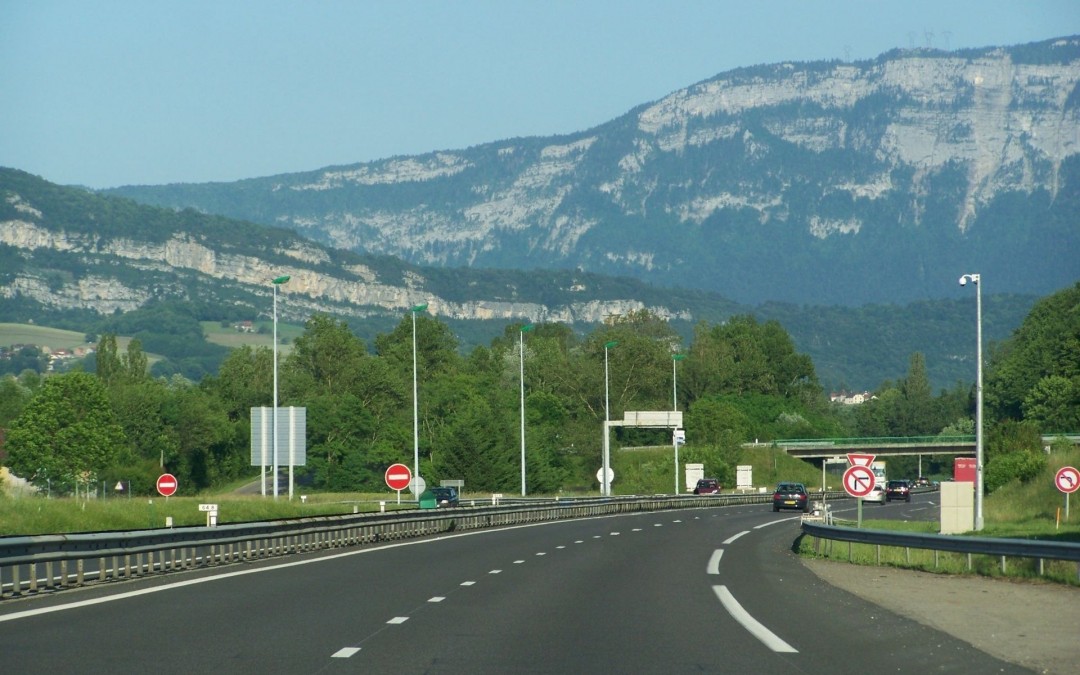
<point>398,477</point>
<point>166,484</point>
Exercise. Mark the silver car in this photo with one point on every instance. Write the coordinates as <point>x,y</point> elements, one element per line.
<point>877,494</point>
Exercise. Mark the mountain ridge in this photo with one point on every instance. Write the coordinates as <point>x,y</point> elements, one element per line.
<point>908,170</point>
<point>72,254</point>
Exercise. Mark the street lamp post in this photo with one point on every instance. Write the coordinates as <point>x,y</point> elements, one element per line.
<point>276,282</point>
<point>675,358</point>
<point>521,365</point>
<point>605,484</point>
<point>415,406</point>
<point>977,279</point>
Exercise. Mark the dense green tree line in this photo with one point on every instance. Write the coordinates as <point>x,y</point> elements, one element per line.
<point>739,381</point>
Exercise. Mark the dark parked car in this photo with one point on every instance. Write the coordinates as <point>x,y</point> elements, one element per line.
<point>791,496</point>
<point>445,496</point>
<point>707,486</point>
<point>898,489</point>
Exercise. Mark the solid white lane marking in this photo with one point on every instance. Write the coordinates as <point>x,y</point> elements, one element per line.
<point>735,536</point>
<point>436,599</point>
<point>766,636</point>
<point>344,652</point>
<point>714,562</point>
<point>773,522</point>
<point>398,620</point>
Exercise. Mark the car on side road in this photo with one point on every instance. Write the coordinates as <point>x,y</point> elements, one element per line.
<point>444,496</point>
<point>791,496</point>
<point>707,486</point>
<point>898,489</point>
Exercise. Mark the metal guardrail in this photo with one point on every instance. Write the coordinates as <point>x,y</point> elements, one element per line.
<point>46,563</point>
<point>1001,548</point>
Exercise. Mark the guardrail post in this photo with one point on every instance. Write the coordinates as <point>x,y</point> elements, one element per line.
<point>1003,564</point>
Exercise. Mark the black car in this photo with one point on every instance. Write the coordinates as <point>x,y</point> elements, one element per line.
<point>898,489</point>
<point>444,496</point>
<point>707,486</point>
<point>791,496</point>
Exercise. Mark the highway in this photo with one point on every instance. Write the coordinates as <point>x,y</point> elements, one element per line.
<point>713,590</point>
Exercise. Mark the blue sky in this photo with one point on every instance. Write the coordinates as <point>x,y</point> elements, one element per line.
<point>111,92</point>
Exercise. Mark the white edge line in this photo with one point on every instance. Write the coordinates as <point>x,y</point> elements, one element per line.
<point>773,522</point>
<point>714,562</point>
<point>735,536</point>
<point>767,637</point>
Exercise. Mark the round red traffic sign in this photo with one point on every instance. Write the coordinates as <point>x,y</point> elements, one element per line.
<point>859,481</point>
<point>1067,479</point>
<point>398,477</point>
<point>166,484</point>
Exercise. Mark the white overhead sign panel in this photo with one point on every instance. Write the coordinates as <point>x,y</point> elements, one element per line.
<point>653,418</point>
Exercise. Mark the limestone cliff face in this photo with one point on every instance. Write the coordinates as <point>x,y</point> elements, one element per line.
<point>356,291</point>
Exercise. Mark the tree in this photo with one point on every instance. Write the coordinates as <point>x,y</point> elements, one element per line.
<point>66,434</point>
<point>107,359</point>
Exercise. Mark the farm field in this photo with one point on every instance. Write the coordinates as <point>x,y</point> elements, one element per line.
<point>227,336</point>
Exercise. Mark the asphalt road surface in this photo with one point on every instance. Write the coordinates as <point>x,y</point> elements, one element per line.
<point>713,590</point>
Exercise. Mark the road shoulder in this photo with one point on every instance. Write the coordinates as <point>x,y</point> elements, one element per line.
<point>1029,623</point>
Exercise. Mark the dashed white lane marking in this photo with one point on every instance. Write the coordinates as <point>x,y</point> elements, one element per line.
<point>344,652</point>
<point>579,541</point>
<point>676,521</point>
<point>636,529</point>
<point>658,524</point>
<point>495,572</point>
<point>398,620</point>
<point>541,553</point>
<point>518,562</point>
<point>714,562</point>
<point>614,534</point>
<point>735,536</point>
<point>467,583</point>
<point>437,598</point>
<point>767,637</point>
<point>561,546</point>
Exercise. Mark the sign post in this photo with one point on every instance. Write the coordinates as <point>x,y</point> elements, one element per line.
<point>398,476</point>
<point>859,479</point>
<point>1067,480</point>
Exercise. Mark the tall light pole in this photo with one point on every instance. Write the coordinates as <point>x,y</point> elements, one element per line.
<point>276,282</point>
<point>415,406</point>
<point>521,361</point>
<point>675,358</point>
<point>977,279</point>
<point>605,484</point>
